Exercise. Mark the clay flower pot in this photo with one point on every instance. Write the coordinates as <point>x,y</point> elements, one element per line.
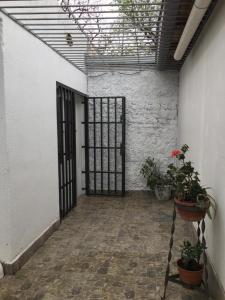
<point>189,211</point>
<point>192,278</point>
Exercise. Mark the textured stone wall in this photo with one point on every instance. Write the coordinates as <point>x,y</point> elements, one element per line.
<point>151,115</point>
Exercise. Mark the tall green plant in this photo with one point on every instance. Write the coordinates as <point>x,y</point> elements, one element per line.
<point>186,182</point>
<point>150,170</point>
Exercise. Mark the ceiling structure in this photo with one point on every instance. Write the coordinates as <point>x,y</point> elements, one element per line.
<point>99,35</point>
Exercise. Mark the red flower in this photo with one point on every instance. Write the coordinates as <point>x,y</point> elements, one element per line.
<point>176,152</point>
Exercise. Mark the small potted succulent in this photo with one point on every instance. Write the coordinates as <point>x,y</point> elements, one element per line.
<point>189,267</point>
<point>157,181</point>
<point>191,198</point>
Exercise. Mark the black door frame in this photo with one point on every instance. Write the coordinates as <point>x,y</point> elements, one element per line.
<point>110,191</point>
<point>66,131</point>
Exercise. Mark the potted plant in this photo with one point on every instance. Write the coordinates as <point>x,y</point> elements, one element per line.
<point>191,198</point>
<point>157,181</point>
<point>189,267</point>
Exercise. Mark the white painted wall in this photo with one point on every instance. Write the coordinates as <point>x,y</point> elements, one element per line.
<point>151,115</point>
<point>202,122</point>
<point>29,182</point>
<point>4,172</point>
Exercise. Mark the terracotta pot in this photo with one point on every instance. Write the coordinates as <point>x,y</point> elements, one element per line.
<point>190,277</point>
<point>189,211</point>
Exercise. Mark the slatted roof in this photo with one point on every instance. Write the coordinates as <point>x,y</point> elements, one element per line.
<point>107,34</point>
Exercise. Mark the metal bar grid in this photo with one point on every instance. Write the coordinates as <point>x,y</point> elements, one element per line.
<point>101,146</point>
<point>66,125</point>
<point>87,148</point>
<point>108,140</point>
<point>98,30</point>
<point>105,146</point>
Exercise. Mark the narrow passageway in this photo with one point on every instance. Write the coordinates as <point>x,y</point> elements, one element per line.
<point>107,248</point>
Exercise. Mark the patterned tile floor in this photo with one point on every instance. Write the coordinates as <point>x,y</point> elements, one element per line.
<point>105,249</point>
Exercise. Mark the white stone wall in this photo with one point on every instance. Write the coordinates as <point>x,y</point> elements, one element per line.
<point>151,115</point>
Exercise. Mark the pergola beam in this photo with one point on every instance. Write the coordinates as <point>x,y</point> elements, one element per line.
<point>139,34</point>
<point>166,32</point>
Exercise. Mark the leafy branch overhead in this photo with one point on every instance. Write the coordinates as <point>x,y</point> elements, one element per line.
<point>141,16</point>
<point>128,27</point>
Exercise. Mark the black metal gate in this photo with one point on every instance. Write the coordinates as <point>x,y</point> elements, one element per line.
<point>66,123</point>
<point>105,145</point>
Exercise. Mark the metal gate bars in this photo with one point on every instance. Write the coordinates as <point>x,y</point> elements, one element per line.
<point>66,148</point>
<point>105,145</point>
